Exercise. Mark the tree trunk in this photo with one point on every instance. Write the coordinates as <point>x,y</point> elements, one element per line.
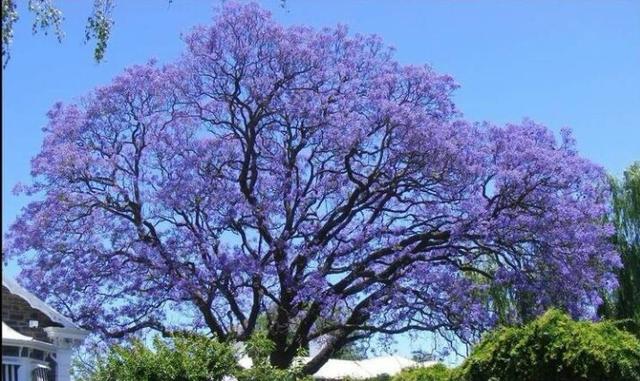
<point>280,359</point>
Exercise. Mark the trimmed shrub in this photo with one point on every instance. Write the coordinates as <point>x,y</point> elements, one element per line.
<point>555,348</point>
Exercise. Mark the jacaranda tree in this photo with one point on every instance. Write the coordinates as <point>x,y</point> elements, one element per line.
<point>308,176</point>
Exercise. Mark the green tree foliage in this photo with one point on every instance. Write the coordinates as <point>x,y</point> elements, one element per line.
<point>99,27</point>
<point>437,372</point>
<point>259,348</point>
<point>381,377</point>
<point>551,348</point>
<point>626,206</point>
<point>187,358</point>
<point>555,348</point>
<point>352,351</point>
<point>47,16</point>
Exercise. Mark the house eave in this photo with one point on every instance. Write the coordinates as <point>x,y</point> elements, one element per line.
<point>36,344</point>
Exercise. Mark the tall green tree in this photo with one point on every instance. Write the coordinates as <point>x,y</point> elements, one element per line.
<point>626,218</point>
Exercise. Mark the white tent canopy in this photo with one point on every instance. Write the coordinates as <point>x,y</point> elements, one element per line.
<point>377,366</point>
<point>339,369</point>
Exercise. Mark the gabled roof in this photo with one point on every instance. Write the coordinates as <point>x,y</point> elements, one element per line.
<point>36,303</point>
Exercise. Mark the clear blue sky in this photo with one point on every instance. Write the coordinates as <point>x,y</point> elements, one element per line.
<point>562,63</point>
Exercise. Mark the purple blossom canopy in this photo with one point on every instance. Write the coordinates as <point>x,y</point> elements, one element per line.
<point>308,177</point>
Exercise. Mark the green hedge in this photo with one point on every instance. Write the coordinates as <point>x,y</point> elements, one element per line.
<point>556,348</point>
<point>552,348</point>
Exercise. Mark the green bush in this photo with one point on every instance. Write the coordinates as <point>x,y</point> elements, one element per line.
<point>186,358</point>
<point>437,372</point>
<point>551,348</point>
<point>630,325</point>
<point>555,348</point>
